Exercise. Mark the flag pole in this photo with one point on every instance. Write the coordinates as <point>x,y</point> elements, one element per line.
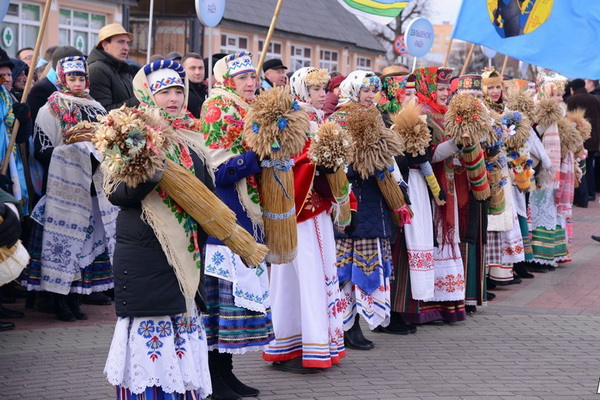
<point>263,54</point>
<point>504,65</point>
<point>466,64</point>
<point>28,84</point>
<point>150,22</point>
<point>448,52</point>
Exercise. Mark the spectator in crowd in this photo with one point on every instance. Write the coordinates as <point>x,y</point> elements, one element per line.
<point>215,57</point>
<point>194,68</point>
<point>6,66</point>
<point>274,71</point>
<point>38,96</point>
<point>580,98</point>
<point>19,74</point>
<point>10,230</point>
<point>333,93</point>
<point>156,57</point>
<point>110,75</point>
<point>591,85</point>
<point>25,55</point>
<point>175,56</point>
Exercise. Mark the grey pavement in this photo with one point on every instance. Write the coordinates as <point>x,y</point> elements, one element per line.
<point>537,340</point>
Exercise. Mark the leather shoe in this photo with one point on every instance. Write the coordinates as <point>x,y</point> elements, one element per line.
<point>5,313</point>
<point>6,326</point>
<point>96,299</point>
<point>294,366</point>
<point>596,238</point>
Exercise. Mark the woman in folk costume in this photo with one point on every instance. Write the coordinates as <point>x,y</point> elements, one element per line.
<point>548,225</point>
<point>159,349</point>
<point>364,255</point>
<point>504,237</point>
<point>305,293</point>
<point>389,100</point>
<point>447,301</point>
<point>74,232</point>
<point>239,316</point>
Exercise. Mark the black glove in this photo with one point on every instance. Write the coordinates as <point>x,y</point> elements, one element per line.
<point>492,151</point>
<point>324,170</point>
<point>418,159</point>
<point>353,223</point>
<point>442,194</point>
<point>22,112</point>
<point>10,228</point>
<point>6,183</point>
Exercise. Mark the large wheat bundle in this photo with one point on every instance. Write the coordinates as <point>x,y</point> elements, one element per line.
<point>467,123</point>
<point>134,144</point>
<point>276,128</point>
<point>375,148</point>
<point>332,148</point>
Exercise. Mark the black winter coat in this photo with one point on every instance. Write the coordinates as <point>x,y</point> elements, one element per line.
<point>111,82</point>
<point>38,96</point>
<point>145,283</point>
<point>197,95</point>
<point>590,103</point>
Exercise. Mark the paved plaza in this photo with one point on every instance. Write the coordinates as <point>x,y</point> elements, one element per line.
<point>537,340</point>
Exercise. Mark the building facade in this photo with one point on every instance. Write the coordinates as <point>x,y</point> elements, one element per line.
<point>70,22</point>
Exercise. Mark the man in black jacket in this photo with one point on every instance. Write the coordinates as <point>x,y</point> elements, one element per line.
<point>110,75</point>
<point>194,69</point>
<point>580,98</point>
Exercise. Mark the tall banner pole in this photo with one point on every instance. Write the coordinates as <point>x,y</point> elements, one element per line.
<point>466,64</point>
<point>448,52</point>
<point>504,65</point>
<point>210,13</point>
<point>151,23</point>
<point>210,59</point>
<point>29,82</point>
<point>263,54</point>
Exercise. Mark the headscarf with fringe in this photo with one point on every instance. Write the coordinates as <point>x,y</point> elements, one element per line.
<point>175,229</point>
<point>300,83</point>
<point>222,128</point>
<point>350,87</point>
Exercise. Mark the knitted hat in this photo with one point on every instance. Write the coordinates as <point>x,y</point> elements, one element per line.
<point>470,83</point>
<point>444,75</point>
<point>234,64</point>
<point>335,82</point>
<point>5,60</point>
<point>74,65</point>
<point>19,68</point>
<point>63,52</point>
<point>164,74</point>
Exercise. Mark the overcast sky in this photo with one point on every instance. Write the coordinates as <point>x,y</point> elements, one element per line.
<point>443,11</point>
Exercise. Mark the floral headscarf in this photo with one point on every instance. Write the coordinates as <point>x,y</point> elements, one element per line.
<point>393,89</point>
<point>300,83</point>
<point>350,87</point>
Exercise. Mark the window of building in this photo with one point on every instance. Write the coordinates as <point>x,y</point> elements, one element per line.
<point>301,57</point>
<point>233,43</point>
<point>363,63</point>
<point>79,29</point>
<point>274,50</point>
<point>329,60</point>
<point>20,26</point>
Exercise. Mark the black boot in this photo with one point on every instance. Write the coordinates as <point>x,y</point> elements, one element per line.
<point>521,270</point>
<point>220,389</point>
<point>353,338</point>
<point>397,326</point>
<point>471,309</point>
<point>96,299</point>
<point>5,313</point>
<point>61,309</point>
<point>231,380</point>
<point>361,335</point>
<point>73,304</point>
<point>490,296</point>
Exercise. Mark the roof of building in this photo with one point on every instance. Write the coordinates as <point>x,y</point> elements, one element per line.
<point>323,19</point>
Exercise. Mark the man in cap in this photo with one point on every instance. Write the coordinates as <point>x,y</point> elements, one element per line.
<point>274,74</point>
<point>110,75</point>
<point>175,56</point>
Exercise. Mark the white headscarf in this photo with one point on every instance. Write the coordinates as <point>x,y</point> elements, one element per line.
<point>350,87</point>
<point>299,86</point>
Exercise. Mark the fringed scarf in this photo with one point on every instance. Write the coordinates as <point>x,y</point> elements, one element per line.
<point>222,126</point>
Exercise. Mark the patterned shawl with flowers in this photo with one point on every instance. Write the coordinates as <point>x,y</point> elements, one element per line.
<point>175,229</point>
<point>393,90</point>
<point>222,126</point>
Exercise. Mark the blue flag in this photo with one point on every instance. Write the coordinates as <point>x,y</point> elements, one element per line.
<point>561,35</point>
